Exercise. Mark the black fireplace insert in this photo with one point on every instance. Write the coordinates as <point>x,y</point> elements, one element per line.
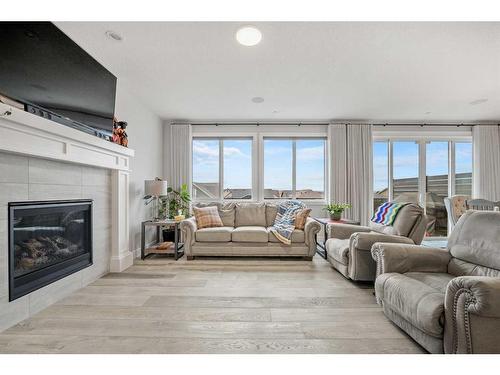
<point>47,241</point>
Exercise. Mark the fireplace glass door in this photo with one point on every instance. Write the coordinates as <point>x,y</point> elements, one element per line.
<point>48,241</point>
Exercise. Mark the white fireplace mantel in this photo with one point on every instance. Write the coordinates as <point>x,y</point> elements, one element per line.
<point>27,134</point>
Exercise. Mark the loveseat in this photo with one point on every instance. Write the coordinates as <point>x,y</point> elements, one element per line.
<point>246,233</point>
<point>448,300</point>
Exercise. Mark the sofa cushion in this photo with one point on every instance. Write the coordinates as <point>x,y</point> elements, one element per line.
<point>226,211</point>
<point>418,297</point>
<point>249,234</point>
<point>338,249</point>
<point>271,212</point>
<point>227,214</point>
<point>206,204</point>
<point>207,217</point>
<point>217,234</point>
<point>476,239</point>
<point>250,214</point>
<point>405,221</point>
<point>298,236</point>
<point>301,217</point>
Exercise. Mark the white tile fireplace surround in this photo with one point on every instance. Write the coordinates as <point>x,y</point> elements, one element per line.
<point>42,160</point>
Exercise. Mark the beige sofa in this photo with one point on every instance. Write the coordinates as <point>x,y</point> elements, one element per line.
<point>348,247</point>
<point>246,233</point>
<point>448,300</point>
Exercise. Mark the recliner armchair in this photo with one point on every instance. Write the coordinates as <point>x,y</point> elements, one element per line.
<point>448,300</point>
<point>348,247</point>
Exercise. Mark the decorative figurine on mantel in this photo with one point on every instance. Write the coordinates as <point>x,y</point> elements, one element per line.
<point>123,133</point>
<point>115,138</point>
<point>120,135</point>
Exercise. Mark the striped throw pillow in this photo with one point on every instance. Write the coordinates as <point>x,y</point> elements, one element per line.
<point>207,217</point>
<point>301,217</point>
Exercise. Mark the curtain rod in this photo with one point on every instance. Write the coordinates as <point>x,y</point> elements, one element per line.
<point>327,123</point>
<point>259,123</point>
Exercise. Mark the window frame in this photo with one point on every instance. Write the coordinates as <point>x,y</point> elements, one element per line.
<point>422,139</point>
<point>294,139</point>
<point>221,139</point>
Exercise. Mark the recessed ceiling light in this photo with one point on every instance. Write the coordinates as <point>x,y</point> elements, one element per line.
<point>478,101</point>
<point>248,36</point>
<point>113,35</point>
<point>257,99</point>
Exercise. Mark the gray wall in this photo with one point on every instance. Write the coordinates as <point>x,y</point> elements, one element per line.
<point>24,178</point>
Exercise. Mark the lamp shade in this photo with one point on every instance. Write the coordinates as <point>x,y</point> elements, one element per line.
<point>155,188</point>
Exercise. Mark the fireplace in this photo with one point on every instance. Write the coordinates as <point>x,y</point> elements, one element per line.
<point>47,241</point>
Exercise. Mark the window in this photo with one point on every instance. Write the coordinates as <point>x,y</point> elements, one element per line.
<point>222,168</point>
<point>278,168</point>
<point>380,173</point>
<point>423,172</point>
<point>294,168</point>
<point>436,187</point>
<point>463,168</point>
<point>237,169</point>
<point>405,172</point>
<point>205,169</point>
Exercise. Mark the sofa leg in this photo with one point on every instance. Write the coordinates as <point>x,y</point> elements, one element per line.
<point>307,258</point>
<point>189,257</point>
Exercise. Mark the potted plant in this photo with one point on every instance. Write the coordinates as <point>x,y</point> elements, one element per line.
<point>172,204</point>
<point>335,210</point>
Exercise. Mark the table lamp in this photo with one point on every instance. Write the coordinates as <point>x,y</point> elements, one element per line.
<point>154,189</point>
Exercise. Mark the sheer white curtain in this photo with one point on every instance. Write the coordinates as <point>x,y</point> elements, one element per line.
<point>351,169</point>
<point>486,144</point>
<point>180,155</point>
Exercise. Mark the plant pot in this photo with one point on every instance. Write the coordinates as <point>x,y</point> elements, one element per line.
<point>336,216</point>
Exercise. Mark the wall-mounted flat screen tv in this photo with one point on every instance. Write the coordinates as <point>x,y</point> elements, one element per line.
<point>41,66</point>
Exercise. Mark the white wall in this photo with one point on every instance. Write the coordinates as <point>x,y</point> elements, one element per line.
<point>145,134</point>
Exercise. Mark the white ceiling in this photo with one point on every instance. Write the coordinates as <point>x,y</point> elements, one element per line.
<point>383,72</point>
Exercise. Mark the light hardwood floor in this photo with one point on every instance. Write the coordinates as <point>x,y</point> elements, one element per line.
<point>214,306</point>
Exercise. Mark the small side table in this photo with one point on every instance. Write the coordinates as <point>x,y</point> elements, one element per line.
<point>159,224</point>
<point>321,247</point>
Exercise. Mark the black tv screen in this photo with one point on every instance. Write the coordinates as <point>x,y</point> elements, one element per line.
<point>42,66</point>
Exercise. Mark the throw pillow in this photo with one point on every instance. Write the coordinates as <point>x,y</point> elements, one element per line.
<point>207,217</point>
<point>301,217</point>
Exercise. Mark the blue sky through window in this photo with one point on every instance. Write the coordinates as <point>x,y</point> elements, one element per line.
<point>310,164</point>
<point>238,164</point>
<point>463,157</point>
<point>278,164</point>
<point>205,160</point>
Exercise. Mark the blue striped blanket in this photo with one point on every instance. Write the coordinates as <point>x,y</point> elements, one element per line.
<point>284,223</point>
<point>386,213</point>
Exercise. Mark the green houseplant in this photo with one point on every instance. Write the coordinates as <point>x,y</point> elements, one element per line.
<point>335,210</point>
<point>175,201</point>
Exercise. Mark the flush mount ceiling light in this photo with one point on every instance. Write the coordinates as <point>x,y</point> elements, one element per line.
<point>257,99</point>
<point>248,36</point>
<point>113,35</point>
<point>478,101</point>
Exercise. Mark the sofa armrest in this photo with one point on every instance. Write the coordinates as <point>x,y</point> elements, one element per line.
<point>188,228</point>
<point>365,241</point>
<point>402,258</point>
<point>344,231</point>
<point>311,228</point>
<point>472,315</point>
